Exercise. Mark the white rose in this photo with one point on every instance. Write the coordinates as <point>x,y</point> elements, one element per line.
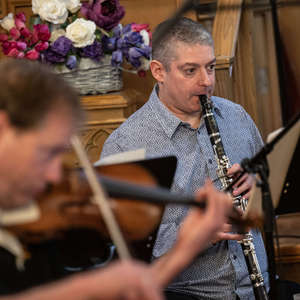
<point>144,33</point>
<point>73,5</point>
<point>36,4</point>
<point>8,22</point>
<point>81,32</point>
<point>56,34</point>
<point>53,11</point>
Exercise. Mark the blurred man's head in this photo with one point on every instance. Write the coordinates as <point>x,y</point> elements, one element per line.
<point>38,114</point>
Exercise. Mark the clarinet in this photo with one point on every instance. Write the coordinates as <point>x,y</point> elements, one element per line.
<point>223,163</point>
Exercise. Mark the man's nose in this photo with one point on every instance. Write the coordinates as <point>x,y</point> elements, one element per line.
<point>204,78</point>
<point>54,171</point>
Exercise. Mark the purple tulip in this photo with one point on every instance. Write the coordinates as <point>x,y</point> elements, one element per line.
<point>135,53</point>
<point>117,58</point>
<point>109,44</point>
<point>133,57</point>
<point>133,38</point>
<point>117,31</point>
<point>71,62</point>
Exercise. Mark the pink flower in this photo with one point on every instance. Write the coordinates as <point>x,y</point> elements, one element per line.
<point>14,52</point>
<point>41,46</point>
<point>142,73</point>
<point>33,39</point>
<point>15,33</point>
<point>21,16</point>
<point>8,46</point>
<point>5,47</point>
<point>21,54</point>
<point>20,21</point>
<point>42,31</point>
<point>21,46</point>
<point>32,54</point>
<point>139,27</point>
<point>144,31</point>
<point>25,32</point>
<point>3,37</point>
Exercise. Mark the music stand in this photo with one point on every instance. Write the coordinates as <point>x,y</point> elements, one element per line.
<point>290,188</point>
<point>272,164</point>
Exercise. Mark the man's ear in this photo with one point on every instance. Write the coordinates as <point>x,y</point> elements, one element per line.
<point>158,71</point>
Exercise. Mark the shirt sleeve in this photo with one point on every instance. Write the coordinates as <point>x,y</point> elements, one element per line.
<point>110,147</point>
<point>256,137</point>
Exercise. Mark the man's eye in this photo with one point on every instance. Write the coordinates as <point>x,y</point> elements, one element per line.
<point>212,67</point>
<point>190,71</point>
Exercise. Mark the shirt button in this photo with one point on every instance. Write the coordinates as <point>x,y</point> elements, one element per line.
<point>210,161</point>
<point>234,257</point>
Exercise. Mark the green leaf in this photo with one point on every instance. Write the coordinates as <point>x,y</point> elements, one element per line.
<point>98,34</point>
<point>34,20</point>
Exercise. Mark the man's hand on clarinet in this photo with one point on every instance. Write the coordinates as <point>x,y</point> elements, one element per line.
<point>244,184</point>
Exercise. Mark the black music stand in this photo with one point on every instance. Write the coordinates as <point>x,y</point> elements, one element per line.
<point>162,168</point>
<point>272,164</point>
<point>291,187</point>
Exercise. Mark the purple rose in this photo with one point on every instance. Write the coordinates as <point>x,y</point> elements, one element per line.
<point>93,51</point>
<point>62,46</point>
<point>105,13</point>
<point>71,62</point>
<point>50,56</point>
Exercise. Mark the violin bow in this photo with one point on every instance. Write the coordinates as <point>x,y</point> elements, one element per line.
<point>100,198</point>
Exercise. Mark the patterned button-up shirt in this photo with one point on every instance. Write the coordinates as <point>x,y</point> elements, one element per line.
<point>220,272</point>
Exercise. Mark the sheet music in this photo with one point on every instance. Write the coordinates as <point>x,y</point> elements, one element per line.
<point>278,160</point>
<point>123,157</point>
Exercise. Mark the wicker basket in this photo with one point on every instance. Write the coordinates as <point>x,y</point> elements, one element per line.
<point>91,78</point>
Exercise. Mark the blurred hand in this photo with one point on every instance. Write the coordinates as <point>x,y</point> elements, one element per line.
<point>201,227</point>
<point>127,280</point>
<point>226,234</point>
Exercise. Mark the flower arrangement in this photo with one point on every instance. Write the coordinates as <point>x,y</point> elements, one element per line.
<point>64,32</point>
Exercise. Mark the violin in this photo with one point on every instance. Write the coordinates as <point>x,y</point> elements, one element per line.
<point>70,205</point>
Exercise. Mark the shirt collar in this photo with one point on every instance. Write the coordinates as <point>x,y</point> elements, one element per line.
<point>168,120</point>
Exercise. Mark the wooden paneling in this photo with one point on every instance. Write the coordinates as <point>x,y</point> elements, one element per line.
<point>246,69</point>
<point>267,91</point>
<point>289,23</point>
<point>244,72</point>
